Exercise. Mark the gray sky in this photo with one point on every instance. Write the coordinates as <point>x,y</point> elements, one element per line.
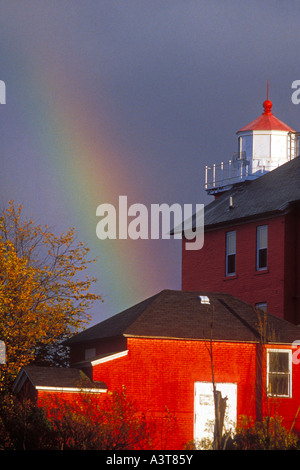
<point>110,98</point>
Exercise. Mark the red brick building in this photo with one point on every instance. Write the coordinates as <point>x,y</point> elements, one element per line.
<point>163,348</point>
<point>37,383</point>
<point>252,227</point>
<point>252,243</point>
<point>160,350</point>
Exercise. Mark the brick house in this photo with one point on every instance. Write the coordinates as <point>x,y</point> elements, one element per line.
<point>159,350</point>
<point>239,299</point>
<point>37,383</point>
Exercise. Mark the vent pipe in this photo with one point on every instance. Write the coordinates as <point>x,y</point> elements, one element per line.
<point>204,299</point>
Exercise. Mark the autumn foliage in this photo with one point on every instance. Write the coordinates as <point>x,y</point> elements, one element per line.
<point>44,295</point>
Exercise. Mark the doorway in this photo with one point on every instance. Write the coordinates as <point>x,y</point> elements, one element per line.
<point>204,408</point>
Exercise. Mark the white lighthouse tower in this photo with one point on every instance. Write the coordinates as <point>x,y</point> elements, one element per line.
<point>263,145</point>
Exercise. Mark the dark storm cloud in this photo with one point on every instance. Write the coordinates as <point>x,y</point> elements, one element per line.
<point>179,78</point>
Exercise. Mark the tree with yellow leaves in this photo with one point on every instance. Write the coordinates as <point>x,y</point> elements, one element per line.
<point>44,296</point>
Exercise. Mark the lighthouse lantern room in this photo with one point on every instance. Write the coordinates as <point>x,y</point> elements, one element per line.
<point>263,145</point>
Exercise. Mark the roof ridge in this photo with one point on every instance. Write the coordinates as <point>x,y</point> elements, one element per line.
<point>176,314</point>
<point>94,328</point>
<point>150,307</point>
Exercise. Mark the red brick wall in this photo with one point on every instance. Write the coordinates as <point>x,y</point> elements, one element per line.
<point>54,398</point>
<point>297,267</point>
<point>205,269</point>
<point>284,407</point>
<point>161,373</point>
<point>292,266</point>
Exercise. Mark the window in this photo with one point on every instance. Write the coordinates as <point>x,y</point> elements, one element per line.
<point>230,253</point>
<point>279,374</point>
<point>262,247</point>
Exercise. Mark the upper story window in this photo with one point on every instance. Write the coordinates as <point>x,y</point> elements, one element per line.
<point>230,253</point>
<point>279,372</point>
<point>262,247</point>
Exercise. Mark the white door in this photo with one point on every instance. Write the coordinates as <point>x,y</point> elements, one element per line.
<point>204,409</point>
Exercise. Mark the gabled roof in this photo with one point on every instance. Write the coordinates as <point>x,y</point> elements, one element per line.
<point>267,121</point>
<point>52,378</point>
<point>270,194</point>
<point>173,314</point>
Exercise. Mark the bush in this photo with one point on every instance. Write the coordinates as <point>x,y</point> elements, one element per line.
<point>79,425</point>
<point>86,425</point>
<point>23,426</point>
<point>268,434</point>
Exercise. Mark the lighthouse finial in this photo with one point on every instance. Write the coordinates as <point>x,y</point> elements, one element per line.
<point>267,104</point>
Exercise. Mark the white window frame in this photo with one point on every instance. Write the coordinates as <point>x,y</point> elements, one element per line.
<point>258,247</point>
<point>228,234</point>
<point>290,373</point>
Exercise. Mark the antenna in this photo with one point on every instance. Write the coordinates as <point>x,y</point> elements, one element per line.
<point>267,89</point>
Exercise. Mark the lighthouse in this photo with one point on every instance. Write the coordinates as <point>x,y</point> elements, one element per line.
<point>262,145</point>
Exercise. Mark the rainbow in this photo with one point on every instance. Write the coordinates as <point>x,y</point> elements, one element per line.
<point>87,170</point>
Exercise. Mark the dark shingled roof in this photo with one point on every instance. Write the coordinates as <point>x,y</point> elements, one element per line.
<point>181,315</point>
<point>57,377</point>
<point>270,194</point>
<point>112,328</point>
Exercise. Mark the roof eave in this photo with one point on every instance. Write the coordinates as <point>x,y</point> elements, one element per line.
<point>72,341</point>
<point>216,340</point>
<point>240,220</point>
<point>285,209</point>
<point>48,388</point>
